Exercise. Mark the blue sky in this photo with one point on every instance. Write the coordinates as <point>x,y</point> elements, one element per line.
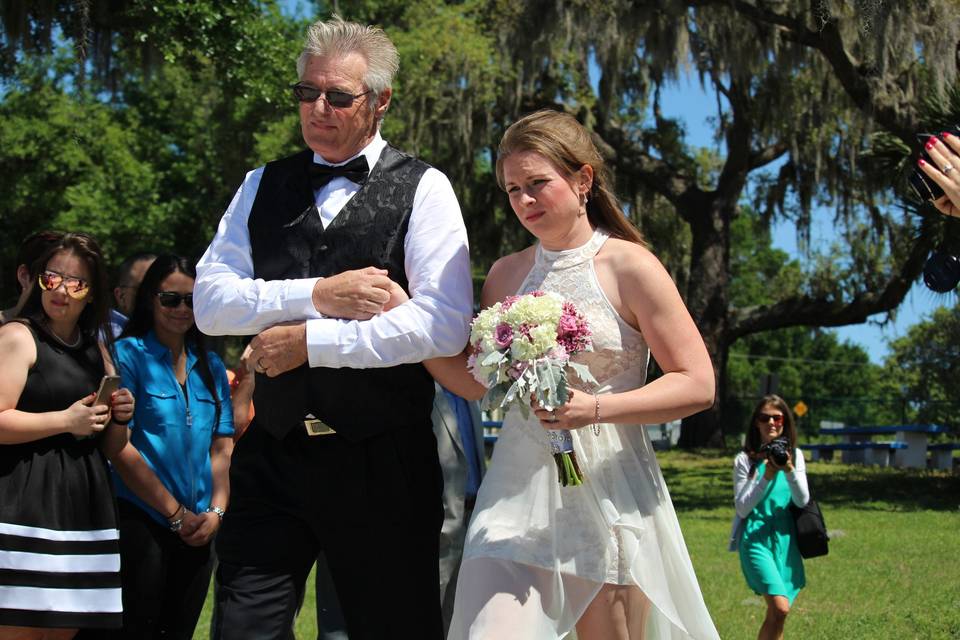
<point>686,101</point>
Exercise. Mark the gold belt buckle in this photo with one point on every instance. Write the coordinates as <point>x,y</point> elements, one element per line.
<point>317,427</point>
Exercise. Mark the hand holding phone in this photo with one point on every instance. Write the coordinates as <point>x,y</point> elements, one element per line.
<point>84,419</point>
<point>122,407</point>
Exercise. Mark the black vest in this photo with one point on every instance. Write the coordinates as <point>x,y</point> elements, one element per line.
<point>288,241</point>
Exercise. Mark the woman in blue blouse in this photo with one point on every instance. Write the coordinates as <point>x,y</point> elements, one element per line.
<point>172,477</point>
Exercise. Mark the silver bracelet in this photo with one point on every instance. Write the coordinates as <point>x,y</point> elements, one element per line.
<point>176,525</point>
<point>596,415</point>
<point>217,510</point>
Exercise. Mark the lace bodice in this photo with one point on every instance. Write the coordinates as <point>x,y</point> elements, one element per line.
<point>618,348</point>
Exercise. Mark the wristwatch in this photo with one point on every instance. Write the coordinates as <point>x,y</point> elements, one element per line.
<point>217,510</point>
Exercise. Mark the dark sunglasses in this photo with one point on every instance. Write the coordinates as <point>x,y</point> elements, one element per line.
<point>767,417</point>
<point>77,288</point>
<point>339,99</point>
<point>172,300</point>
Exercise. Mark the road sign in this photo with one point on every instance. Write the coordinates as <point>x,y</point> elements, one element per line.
<point>800,409</point>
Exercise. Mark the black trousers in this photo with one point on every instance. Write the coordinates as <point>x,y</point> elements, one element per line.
<point>373,507</point>
<point>164,580</point>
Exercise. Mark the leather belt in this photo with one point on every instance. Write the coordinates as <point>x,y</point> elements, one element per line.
<point>316,427</point>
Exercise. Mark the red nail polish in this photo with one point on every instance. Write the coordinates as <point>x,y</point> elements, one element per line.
<point>945,134</point>
<point>921,162</point>
<point>932,141</point>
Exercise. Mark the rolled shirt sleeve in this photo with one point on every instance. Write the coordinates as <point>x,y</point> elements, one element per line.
<point>225,425</point>
<point>228,300</point>
<point>436,320</point>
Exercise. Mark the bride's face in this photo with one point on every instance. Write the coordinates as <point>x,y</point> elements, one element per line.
<point>548,204</point>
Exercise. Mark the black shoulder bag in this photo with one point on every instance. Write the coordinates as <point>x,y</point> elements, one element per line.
<point>812,535</point>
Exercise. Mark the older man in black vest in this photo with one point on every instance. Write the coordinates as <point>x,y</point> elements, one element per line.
<point>340,456</point>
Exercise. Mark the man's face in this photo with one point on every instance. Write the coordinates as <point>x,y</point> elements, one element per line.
<point>337,134</point>
<point>126,293</point>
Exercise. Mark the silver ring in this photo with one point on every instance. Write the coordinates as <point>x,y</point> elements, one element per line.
<point>947,168</point>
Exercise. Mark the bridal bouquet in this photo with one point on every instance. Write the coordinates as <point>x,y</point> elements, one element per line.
<point>522,347</point>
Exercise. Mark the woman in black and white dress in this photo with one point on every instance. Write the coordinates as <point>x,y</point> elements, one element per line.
<point>59,553</point>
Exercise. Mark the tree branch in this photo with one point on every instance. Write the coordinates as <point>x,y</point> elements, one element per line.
<point>822,312</point>
<point>766,155</point>
<point>853,76</point>
<point>736,166</point>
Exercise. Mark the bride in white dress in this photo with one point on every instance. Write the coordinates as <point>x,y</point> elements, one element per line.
<point>607,557</point>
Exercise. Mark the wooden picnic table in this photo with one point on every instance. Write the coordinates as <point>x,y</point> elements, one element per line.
<point>915,436</point>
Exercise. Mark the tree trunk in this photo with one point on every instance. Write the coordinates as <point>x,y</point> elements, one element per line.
<point>708,302</point>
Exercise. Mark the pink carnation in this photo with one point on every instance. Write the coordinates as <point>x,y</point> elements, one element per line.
<point>568,324</point>
<point>508,302</point>
<point>573,333</point>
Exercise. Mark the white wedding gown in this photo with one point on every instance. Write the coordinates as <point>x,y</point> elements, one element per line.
<point>536,552</point>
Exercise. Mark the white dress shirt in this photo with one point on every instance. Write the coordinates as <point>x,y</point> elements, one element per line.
<point>228,300</point>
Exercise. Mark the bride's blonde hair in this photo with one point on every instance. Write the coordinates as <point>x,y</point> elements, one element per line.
<point>567,145</point>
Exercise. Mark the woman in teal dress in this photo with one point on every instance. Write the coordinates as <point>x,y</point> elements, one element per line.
<point>763,529</point>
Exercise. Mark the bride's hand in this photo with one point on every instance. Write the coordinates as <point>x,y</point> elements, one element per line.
<point>397,296</point>
<point>579,411</point>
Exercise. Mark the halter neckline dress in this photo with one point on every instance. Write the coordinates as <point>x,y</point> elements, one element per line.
<point>538,553</point>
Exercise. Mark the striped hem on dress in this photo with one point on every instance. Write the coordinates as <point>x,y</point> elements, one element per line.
<point>52,578</point>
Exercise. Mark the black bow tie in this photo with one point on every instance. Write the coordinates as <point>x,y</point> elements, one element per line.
<point>356,171</point>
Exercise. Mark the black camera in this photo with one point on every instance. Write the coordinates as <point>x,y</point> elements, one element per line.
<point>941,273</point>
<point>922,184</point>
<point>776,450</point>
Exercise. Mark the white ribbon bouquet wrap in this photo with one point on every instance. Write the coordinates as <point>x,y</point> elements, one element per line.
<point>522,347</point>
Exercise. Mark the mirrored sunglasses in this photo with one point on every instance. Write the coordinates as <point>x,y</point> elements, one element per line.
<point>767,417</point>
<point>77,288</point>
<point>172,299</point>
<point>339,99</point>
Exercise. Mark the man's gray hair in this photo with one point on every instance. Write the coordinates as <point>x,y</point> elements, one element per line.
<point>337,38</point>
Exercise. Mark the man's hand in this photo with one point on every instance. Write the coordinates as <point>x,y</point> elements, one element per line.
<point>352,295</point>
<point>279,349</point>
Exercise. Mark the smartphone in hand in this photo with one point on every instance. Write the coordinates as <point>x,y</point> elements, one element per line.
<point>108,386</point>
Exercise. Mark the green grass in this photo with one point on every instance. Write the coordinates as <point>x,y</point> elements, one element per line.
<point>893,569</point>
<point>894,565</point>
